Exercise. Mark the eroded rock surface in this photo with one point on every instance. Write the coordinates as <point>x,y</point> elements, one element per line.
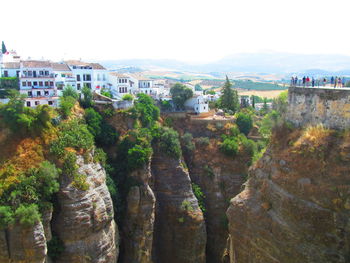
<point>180,233</point>
<point>295,204</point>
<point>85,221</point>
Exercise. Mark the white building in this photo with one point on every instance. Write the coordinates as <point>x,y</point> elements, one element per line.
<point>64,76</point>
<point>92,75</point>
<point>198,104</point>
<point>37,82</point>
<point>122,84</point>
<point>9,64</point>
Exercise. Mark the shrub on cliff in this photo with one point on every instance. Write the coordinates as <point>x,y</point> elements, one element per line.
<point>200,196</point>
<point>244,122</point>
<point>66,105</point>
<point>24,120</point>
<point>69,91</point>
<point>27,215</point>
<point>6,216</point>
<point>72,134</point>
<point>146,110</point>
<point>230,147</point>
<point>188,144</point>
<point>169,142</point>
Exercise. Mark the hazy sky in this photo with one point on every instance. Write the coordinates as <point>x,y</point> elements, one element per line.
<point>189,30</point>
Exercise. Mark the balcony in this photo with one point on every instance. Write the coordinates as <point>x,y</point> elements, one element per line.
<point>50,76</point>
<point>36,87</point>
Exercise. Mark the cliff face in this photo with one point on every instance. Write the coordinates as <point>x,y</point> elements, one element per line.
<point>312,106</point>
<point>220,178</point>
<point>85,219</point>
<point>139,221</point>
<point>295,206</point>
<point>180,234</point>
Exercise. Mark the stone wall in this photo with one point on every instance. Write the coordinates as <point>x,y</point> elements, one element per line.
<point>331,107</point>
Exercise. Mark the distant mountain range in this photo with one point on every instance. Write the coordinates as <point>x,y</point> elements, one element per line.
<point>263,63</point>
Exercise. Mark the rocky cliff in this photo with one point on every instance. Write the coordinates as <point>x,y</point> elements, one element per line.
<point>138,227</point>
<point>180,234</point>
<point>295,206</point>
<point>84,221</point>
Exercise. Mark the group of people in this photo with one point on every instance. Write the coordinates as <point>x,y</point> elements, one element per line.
<point>336,82</point>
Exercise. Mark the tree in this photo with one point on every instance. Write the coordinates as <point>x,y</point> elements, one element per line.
<point>93,120</point>
<point>128,97</point>
<point>70,91</point>
<point>198,87</point>
<point>66,105</point>
<point>3,48</point>
<point>86,101</point>
<point>229,97</point>
<point>146,110</point>
<point>244,122</point>
<point>180,93</point>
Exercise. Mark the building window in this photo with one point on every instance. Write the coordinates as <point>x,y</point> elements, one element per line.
<point>98,77</point>
<point>78,77</point>
<point>24,84</point>
<point>51,83</point>
<point>88,85</point>
<point>36,103</point>
<point>30,94</point>
<point>41,73</point>
<point>28,103</point>
<point>40,83</point>
<point>35,83</point>
<point>17,73</point>
<point>46,73</point>
<point>6,73</point>
<point>30,73</point>
<point>50,102</point>
<point>86,77</point>
<point>46,83</point>
<point>46,93</point>
<point>78,86</point>
<point>119,80</point>
<point>63,75</point>
<point>29,84</point>
<point>38,93</point>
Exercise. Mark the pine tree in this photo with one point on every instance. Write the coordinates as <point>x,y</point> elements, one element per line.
<point>3,48</point>
<point>229,98</point>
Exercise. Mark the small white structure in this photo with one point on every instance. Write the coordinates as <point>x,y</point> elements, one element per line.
<point>37,82</point>
<point>198,104</point>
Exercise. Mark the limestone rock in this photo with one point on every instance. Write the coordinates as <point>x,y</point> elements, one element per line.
<point>85,220</point>
<point>180,233</point>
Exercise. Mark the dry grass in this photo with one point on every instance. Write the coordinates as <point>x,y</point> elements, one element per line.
<point>313,138</point>
<point>270,94</point>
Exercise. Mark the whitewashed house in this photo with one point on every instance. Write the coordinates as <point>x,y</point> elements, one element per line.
<point>9,64</point>
<point>64,76</point>
<point>198,104</point>
<point>37,82</point>
<point>92,75</point>
<point>122,84</point>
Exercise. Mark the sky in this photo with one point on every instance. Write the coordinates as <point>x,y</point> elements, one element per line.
<point>186,30</point>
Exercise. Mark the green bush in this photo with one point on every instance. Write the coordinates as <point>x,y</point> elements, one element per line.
<point>244,122</point>
<point>86,100</point>
<point>229,147</point>
<point>27,215</point>
<point>169,142</point>
<point>128,97</point>
<point>24,120</point>
<point>146,110</point>
<point>188,144</point>
<point>70,169</point>
<point>203,141</point>
<point>200,196</point>
<point>235,131</point>
<point>69,91</point>
<point>6,216</point>
<point>108,135</point>
<point>100,157</point>
<point>74,135</point>
<point>249,146</point>
<point>106,92</point>
<point>138,156</point>
<point>186,206</point>
<point>93,121</point>
<point>65,106</point>
<point>209,171</point>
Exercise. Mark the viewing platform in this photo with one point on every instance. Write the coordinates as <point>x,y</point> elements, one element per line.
<point>327,105</point>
